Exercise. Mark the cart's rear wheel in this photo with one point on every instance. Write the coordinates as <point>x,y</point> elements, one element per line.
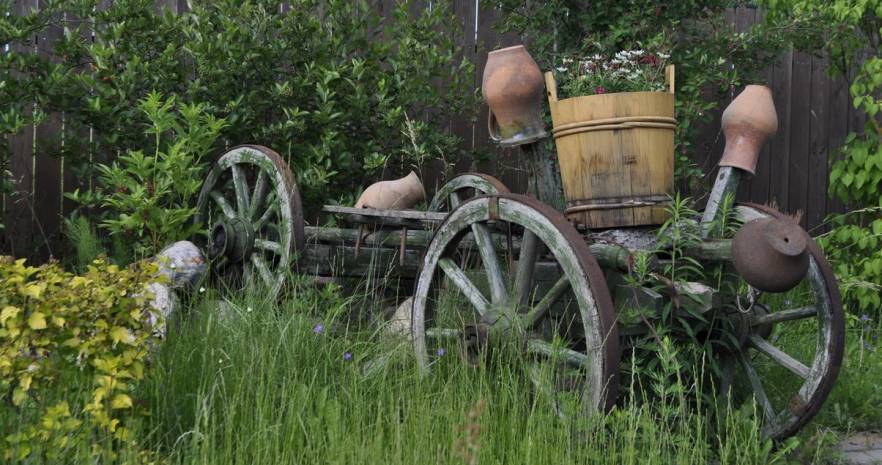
<point>791,345</point>
<point>250,209</point>
<point>456,191</point>
<point>474,290</point>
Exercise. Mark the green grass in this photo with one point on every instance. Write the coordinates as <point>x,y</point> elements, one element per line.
<point>261,386</point>
<point>237,386</point>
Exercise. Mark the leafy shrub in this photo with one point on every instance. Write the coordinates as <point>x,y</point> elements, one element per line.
<point>55,328</point>
<point>856,175</point>
<point>148,198</point>
<point>328,84</point>
<point>710,57</point>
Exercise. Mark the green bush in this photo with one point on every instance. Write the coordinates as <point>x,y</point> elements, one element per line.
<point>856,174</point>
<point>710,57</point>
<point>148,198</point>
<point>329,84</point>
<point>61,332</point>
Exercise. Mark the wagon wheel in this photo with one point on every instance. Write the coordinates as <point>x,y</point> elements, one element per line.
<point>470,300</point>
<point>454,192</point>
<point>250,208</point>
<point>791,345</point>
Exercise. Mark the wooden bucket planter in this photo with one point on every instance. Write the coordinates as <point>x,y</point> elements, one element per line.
<point>616,154</point>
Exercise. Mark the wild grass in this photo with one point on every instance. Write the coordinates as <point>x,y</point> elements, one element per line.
<point>253,381</point>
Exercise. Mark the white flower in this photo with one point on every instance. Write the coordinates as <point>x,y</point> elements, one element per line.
<point>173,266</point>
<point>201,290</point>
<point>664,56</point>
<point>567,61</point>
<point>248,309</point>
<point>562,69</point>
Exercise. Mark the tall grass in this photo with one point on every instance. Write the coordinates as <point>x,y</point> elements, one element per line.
<point>258,382</point>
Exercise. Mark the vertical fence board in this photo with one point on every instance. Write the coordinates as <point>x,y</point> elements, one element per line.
<point>800,129</point>
<point>839,103</point>
<point>760,184</point>
<point>779,157</point>
<point>816,208</point>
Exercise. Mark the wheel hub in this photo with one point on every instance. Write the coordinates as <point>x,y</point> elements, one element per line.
<point>233,238</point>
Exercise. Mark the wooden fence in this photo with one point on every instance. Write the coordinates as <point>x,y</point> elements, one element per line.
<point>814,112</point>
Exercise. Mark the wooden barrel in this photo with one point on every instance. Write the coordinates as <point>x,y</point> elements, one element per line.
<point>616,154</point>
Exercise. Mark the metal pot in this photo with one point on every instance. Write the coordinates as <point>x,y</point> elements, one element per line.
<point>770,254</point>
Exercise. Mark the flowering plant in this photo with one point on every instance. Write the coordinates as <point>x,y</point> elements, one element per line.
<point>626,71</point>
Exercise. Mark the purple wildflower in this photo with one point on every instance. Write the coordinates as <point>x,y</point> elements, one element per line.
<point>347,356</point>
<point>865,317</point>
<point>319,328</point>
<point>599,90</point>
<point>441,352</point>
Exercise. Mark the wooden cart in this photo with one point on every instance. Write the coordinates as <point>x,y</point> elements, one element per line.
<point>502,267</point>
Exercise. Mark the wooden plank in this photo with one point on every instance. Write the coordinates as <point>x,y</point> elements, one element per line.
<point>19,226</point>
<point>779,159</point>
<point>760,183</point>
<point>800,127</point>
<point>46,187</point>
<point>464,128</point>
<point>744,19</point>
<point>384,215</point>
<point>816,208</point>
<point>838,119</point>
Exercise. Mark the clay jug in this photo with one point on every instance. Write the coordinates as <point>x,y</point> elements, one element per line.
<point>513,89</point>
<point>398,194</point>
<point>747,123</point>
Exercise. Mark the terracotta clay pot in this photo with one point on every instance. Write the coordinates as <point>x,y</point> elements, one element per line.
<point>513,88</point>
<point>393,195</point>
<point>747,123</point>
<point>771,255</point>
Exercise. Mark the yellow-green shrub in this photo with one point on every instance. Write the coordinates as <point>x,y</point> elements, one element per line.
<point>54,323</point>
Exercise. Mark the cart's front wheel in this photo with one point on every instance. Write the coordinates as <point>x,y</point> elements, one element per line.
<point>790,344</point>
<point>508,266</point>
<point>250,209</point>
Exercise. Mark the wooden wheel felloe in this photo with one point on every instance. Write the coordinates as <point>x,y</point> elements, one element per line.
<point>792,345</point>
<point>453,192</point>
<point>251,211</point>
<point>552,294</point>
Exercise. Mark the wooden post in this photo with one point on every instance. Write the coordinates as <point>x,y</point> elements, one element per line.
<point>726,184</point>
<point>543,172</point>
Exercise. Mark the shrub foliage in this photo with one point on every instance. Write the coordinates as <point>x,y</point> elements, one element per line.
<point>57,329</point>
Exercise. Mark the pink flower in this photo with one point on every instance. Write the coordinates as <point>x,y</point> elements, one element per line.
<point>599,90</point>
<point>650,59</point>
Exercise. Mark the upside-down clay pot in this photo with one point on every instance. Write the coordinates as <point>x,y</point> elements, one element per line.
<point>513,88</point>
<point>747,123</point>
<point>398,194</point>
<point>770,254</point>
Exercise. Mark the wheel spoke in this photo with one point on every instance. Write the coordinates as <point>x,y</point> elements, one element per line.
<point>571,357</point>
<point>462,282</point>
<point>454,200</point>
<point>556,291</point>
<point>259,193</point>
<point>526,264</point>
<point>779,356</point>
<point>270,246</point>
<point>498,294</point>
<point>785,315</point>
<point>758,392</point>
<point>263,270</point>
<point>223,204</point>
<point>241,186</point>
<point>270,211</point>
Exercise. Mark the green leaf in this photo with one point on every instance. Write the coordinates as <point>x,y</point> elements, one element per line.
<point>37,321</point>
